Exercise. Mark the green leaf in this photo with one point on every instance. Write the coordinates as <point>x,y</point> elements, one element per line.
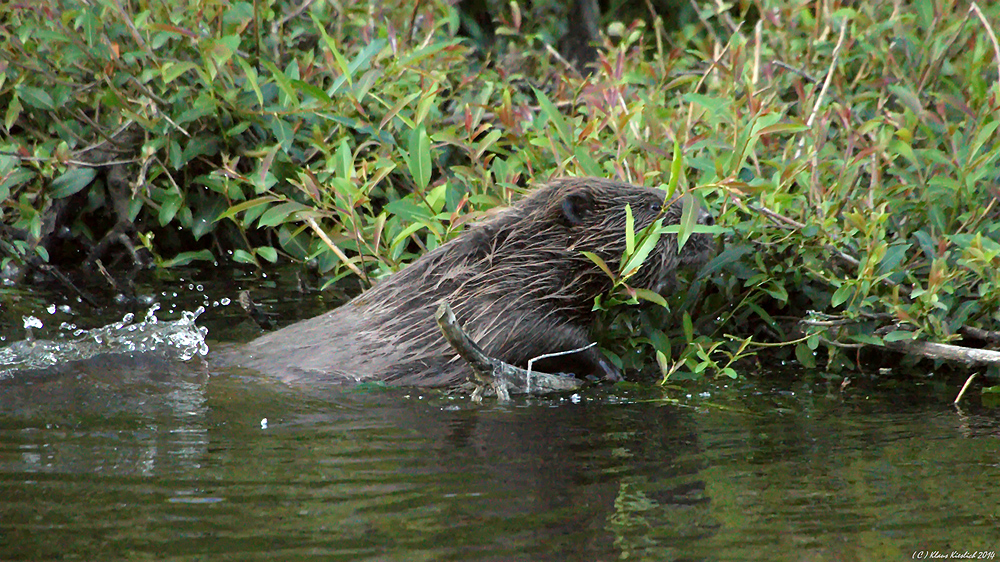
<point>651,296</point>
<point>170,70</point>
<point>268,253</point>
<point>908,98</point>
<point>426,102</point>
<point>90,23</point>
<point>284,83</point>
<point>868,339</point>
<point>899,335</point>
<point>629,231</point>
<point>35,97</point>
<point>13,112</point>
<point>984,135</point>
<point>426,51</point>
<point>278,214</point>
<point>331,44</point>
<point>221,50</point>
<point>72,181</point>
<point>689,218</point>
<point>557,119</point>
<point>185,258</point>
<point>587,162</point>
<point>893,256</point>
<point>841,295</point>
<point>805,355</point>
<point>419,157</point>
<point>715,106</point>
<point>239,208</point>
<point>663,362</point>
<point>343,160</point>
<point>169,207</point>
<point>14,179</point>
<point>251,76</point>
<point>676,167</point>
<point>283,133</point>
<point>316,93</point>
<point>600,263</point>
<point>487,143</point>
<point>688,327</point>
<point>650,236</point>
<point>436,197</point>
<point>242,256</point>
<point>781,128</point>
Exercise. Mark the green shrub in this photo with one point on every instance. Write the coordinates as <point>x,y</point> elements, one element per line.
<point>850,156</point>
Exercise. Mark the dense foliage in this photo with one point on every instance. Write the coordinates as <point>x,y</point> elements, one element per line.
<point>847,150</point>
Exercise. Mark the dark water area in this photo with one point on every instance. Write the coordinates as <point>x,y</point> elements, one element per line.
<point>144,459</point>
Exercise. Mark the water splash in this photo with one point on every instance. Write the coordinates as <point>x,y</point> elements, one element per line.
<point>179,340</point>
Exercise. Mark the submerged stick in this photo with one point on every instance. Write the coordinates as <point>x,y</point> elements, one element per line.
<point>491,373</point>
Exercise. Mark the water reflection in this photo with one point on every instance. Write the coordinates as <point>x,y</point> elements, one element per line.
<point>137,457</point>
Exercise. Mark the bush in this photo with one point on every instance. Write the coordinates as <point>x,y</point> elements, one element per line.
<point>849,153</point>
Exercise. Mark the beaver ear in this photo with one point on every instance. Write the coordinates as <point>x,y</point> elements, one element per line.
<point>576,205</point>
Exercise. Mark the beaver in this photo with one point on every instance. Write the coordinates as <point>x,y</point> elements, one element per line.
<point>518,282</point>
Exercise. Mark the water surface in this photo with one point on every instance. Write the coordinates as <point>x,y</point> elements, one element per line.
<point>143,459</point>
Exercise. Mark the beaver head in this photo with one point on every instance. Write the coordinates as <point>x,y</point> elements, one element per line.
<point>518,282</point>
<point>588,214</point>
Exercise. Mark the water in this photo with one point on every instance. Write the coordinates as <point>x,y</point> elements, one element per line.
<point>117,458</point>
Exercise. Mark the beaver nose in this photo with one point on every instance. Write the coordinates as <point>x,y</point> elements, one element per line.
<point>706,218</point>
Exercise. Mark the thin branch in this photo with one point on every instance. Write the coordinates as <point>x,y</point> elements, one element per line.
<point>796,70</point>
<point>965,387</point>
<point>333,247</point>
<point>826,86</point>
<point>80,163</point>
<point>489,372</point>
<point>993,38</point>
<point>131,27</point>
<point>980,334</point>
<point>947,352</point>
<point>296,12</point>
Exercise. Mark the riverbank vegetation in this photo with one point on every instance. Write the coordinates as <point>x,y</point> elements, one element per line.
<point>847,150</point>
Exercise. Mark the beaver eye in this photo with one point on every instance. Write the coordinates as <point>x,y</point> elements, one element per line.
<point>655,206</point>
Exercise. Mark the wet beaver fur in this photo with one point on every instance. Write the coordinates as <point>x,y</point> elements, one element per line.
<point>517,282</point>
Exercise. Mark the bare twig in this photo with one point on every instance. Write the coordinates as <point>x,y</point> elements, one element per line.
<point>295,12</point>
<point>562,60</point>
<point>705,22</point>
<point>136,36</point>
<point>779,219</point>
<point>947,352</point>
<point>842,345</point>
<point>794,69</point>
<point>80,163</point>
<point>54,271</point>
<point>965,387</point>
<point>980,334</point>
<point>826,86</point>
<point>933,67</point>
<point>333,247</point>
<point>757,39</point>
<point>531,361</point>
<point>989,31</point>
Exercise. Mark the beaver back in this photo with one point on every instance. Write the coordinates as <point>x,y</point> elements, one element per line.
<point>518,283</point>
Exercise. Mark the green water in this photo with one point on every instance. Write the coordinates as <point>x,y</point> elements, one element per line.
<point>147,460</point>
